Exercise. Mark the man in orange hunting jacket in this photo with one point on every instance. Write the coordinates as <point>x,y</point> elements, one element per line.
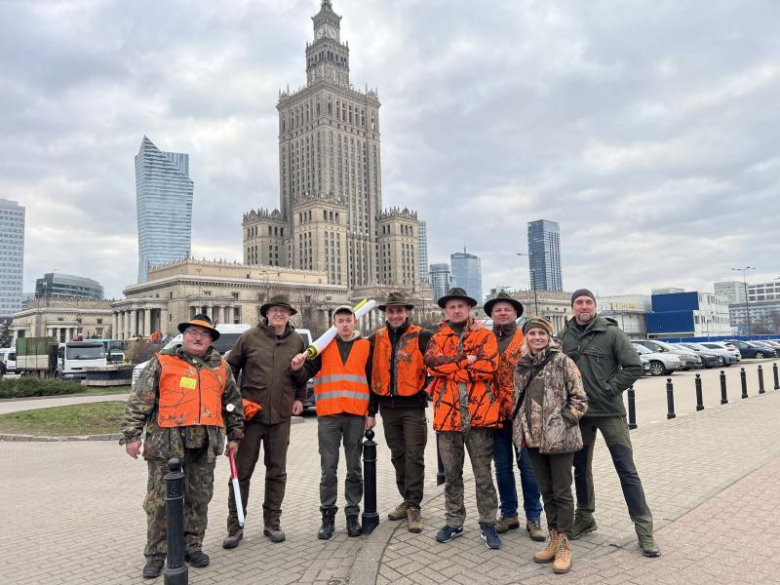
<point>463,361</point>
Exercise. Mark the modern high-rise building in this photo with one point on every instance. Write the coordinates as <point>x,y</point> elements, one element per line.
<point>164,206</point>
<point>57,285</point>
<point>422,250</point>
<point>441,279</point>
<point>544,255</point>
<point>11,257</point>
<point>330,216</point>
<point>732,291</point>
<point>467,273</point>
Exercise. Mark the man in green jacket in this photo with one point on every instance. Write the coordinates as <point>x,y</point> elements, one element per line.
<point>262,356</point>
<point>609,365</point>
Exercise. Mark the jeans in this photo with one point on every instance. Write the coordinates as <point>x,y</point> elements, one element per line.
<point>504,452</point>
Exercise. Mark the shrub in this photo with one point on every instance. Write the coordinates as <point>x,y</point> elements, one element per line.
<point>27,386</point>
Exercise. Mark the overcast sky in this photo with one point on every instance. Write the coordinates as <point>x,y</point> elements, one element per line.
<point>648,129</point>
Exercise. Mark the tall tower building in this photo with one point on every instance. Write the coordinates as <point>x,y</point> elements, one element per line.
<point>467,273</point>
<point>11,257</point>
<point>422,251</point>
<point>441,280</point>
<point>544,255</point>
<point>164,206</point>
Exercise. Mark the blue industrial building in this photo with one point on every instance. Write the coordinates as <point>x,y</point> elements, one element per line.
<point>687,314</point>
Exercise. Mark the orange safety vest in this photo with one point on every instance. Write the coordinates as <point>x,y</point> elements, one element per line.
<point>410,372</point>
<point>188,395</point>
<point>341,388</point>
<point>504,382</point>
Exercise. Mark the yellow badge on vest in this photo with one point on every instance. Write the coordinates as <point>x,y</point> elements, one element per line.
<point>189,383</point>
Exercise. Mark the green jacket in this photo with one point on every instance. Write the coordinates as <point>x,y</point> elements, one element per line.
<point>607,361</point>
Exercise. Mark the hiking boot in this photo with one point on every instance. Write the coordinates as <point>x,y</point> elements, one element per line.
<point>584,522</point>
<point>562,563</point>
<point>353,526</point>
<point>548,554</point>
<point>490,536</point>
<point>507,523</point>
<point>535,530</point>
<point>153,567</point>
<point>414,520</point>
<point>447,533</point>
<point>328,524</point>
<point>649,547</point>
<point>233,539</point>
<point>197,559</point>
<point>274,533</point>
<point>400,512</point>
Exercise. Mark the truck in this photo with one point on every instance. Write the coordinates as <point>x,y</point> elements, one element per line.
<point>45,358</point>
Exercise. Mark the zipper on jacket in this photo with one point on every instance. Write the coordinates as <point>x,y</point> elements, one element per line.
<point>200,394</point>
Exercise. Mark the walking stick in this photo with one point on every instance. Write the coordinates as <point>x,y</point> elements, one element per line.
<point>236,489</point>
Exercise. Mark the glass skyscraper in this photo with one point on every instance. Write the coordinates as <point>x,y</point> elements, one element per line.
<point>440,280</point>
<point>467,273</point>
<point>11,257</point>
<point>164,204</point>
<point>544,255</point>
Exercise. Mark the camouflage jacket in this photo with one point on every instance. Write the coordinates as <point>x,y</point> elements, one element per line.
<point>164,443</point>
<point>564,402</point>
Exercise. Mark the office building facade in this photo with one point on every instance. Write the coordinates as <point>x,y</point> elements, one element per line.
<point>12,218</point>
<point>441,280</point>
<point>544,255</point>
<point>467,273</point>
<point>422,251</point>
<point>57,285</point>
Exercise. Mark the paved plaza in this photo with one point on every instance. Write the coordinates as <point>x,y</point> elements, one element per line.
<point>72,511</point>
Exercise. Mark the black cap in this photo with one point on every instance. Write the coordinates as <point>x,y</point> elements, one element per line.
<point>581,292</point>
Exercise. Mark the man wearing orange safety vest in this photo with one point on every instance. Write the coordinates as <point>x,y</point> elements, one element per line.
<point>398,377</point>
<point>342,377</point>
<point>187,400</point>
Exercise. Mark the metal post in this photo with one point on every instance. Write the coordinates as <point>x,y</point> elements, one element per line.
<point>760,380</point>
<point>440,473</point>
<point>370,517</point>
<point>670,399</point>
<point>777,380</point>
<point>743,380</point>
<point>699,398</point>
<point>631,408</point>
<point>175,572</point>
<point>724,399</point>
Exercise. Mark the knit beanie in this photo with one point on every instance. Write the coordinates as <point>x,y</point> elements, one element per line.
<point>582,292</point>
<point>538,323</point>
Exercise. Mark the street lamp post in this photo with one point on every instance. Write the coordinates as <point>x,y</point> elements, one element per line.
<point>532,272</point>
<point>743,270</point>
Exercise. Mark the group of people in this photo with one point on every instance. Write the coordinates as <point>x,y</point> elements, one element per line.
<point>505,395</point>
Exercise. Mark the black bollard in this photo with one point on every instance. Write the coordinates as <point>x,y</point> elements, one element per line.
<point>440,472</point>
<point>175,572</point>
<point>370,517</point>
<point>743,380</point>
<point>777,380</point>
<point>724,399</point>
<point>670,399</point>
<point>760,380</point>
<point>699,397</point>
<point>631,408</point>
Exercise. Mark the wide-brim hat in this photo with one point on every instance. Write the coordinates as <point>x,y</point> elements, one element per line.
<point>278,301</point>
<point>456,293</point>
<point>201,321</point>
<point>503,297</point>
<point>395,299</point>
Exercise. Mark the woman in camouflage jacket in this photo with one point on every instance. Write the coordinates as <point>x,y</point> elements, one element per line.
<point>549,401</point>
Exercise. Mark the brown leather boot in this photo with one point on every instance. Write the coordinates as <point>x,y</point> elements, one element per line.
<point>507,523</point>
<point>535,530</point>
<point>548,555</point>
<point>562,562</point>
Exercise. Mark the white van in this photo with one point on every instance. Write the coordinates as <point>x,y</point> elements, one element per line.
<point>8,357</point>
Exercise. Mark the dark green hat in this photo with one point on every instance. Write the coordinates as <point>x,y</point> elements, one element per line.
<point>278,301</point>
<point>503,297</point>
<point>456,293</point>
<point>200,320</point>
<point>396,299</point>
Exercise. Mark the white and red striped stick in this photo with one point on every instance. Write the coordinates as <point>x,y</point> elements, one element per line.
<point>236,490</point>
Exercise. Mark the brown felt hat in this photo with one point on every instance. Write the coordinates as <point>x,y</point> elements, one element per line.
<point>503,297</point>
<point>456,293</point>
<point>396,299</point>
<point>278,301</point>
<point>200,320</point>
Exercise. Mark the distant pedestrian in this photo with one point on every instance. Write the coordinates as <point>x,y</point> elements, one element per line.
<point>609,365</point>
<point>398,378</point>
<point>187,400</point>
<point>550,400</point>
<point>504,311</point>
<point>463,362</point>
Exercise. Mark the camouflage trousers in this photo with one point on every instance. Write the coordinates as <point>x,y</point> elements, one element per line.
<point>198,470</point>
<point>452,447</point>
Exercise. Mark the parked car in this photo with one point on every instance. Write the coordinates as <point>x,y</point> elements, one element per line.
<point>645,364</point>
<point>688,358</point>
<point>748,349</point>
<point>661,364</point>
<point>729,352</point>
<point>710,359</point>
<point>772,343</point>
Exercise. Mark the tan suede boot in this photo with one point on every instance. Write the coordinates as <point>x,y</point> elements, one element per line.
<point>562,562</point>
<point>548,555</point>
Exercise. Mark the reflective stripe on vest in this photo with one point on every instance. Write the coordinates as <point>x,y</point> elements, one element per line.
<point>190,395</point>
<point>410,372</point>
<point>342,388</point>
